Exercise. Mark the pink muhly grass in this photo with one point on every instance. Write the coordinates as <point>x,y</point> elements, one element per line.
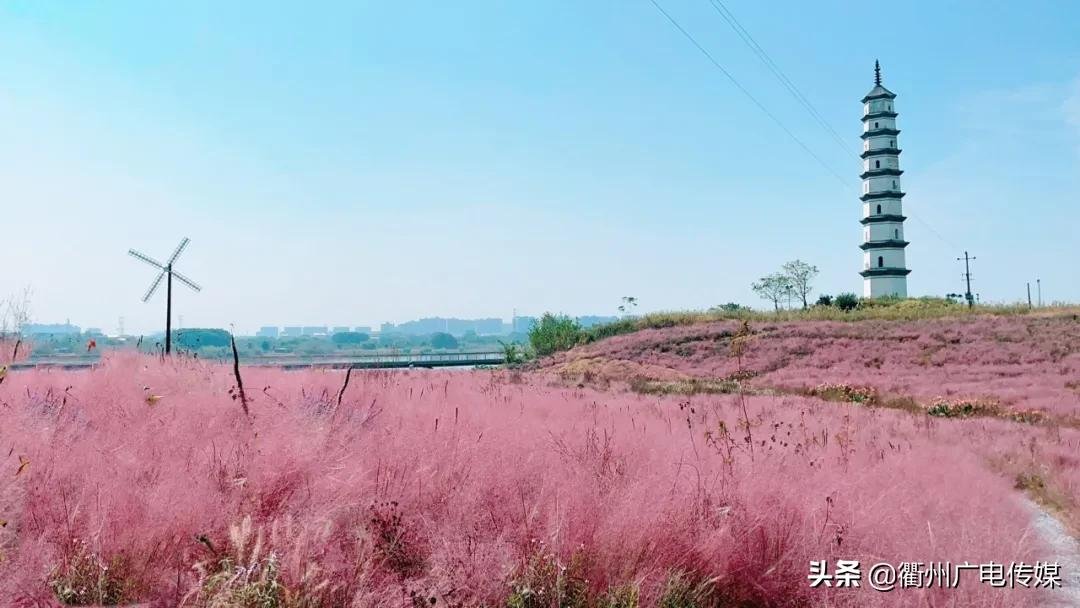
<point>469,489</point>
<point>1025,363</point>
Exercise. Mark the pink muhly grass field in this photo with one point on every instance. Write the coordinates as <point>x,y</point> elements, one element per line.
<point>1022,362</point>
<point>480,488</point>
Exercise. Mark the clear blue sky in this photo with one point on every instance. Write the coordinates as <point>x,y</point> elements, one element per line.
<point>353,163</point>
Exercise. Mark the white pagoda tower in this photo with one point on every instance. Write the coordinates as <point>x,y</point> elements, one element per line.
<point>884,271</point>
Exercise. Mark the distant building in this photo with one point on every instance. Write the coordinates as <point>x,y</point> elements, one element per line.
<point>363,329</point>
<point>523,325</point>
<point>94,332</point>
<point>50,329</point>
<point>457,327</point>
<point>340,329</point>
<point>268,331</point>
<point>387,328</point>
<point>316,330</point>
<point>293,331</point>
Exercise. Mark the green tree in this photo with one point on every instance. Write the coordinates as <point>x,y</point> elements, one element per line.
<point>846,301</point>
<point>443,340</point>
<point>729,307</point>
<point>800,275</point>
<point>513,352</point>
<point>775,287</point>
<point>194,339</point>
<point>349,337</point>
<point>554,333</point>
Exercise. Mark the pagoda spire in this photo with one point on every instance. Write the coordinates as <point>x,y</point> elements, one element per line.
<point>877,73</point>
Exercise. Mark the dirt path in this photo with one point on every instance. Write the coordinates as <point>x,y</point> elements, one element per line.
<point>1065,550</point>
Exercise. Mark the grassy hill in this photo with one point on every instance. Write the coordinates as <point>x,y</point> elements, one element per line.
<point>1006,360</point>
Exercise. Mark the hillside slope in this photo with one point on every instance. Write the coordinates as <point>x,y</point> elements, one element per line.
<point>1021,362</point>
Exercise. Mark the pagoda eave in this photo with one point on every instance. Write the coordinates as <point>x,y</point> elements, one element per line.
<point>885,272</point>
<point>881,152</point>
<point>869,196</point>
<point>881,219</point>
<point>876,132</point>
<point>887,171</point>
<point>889,244</point>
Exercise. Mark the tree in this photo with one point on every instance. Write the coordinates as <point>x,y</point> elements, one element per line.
<point>824,300</point>
<point>513,352</point>
<point>628,304</point>
<point>846,301</point>
<point>15,313</point>
<point>729,307</point>
<point>443,340</point>
<point>554,333</point>
<point>800,275</point>
<point>349,337</point>
<point>776,288</point>
<point>196,338</point>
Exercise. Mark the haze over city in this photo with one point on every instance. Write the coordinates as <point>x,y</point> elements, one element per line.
<point>367,162</point>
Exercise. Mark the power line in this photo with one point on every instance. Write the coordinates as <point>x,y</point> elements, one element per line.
<point>750,42</point>
<point>747,93</point>
<point>765,58</point>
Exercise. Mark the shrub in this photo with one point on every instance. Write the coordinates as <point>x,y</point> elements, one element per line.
<point>846,301</point>
<point>824,300</point>
<point>555,333</point>
<point>615,328</point>
<point>846,392</point>
<point>544,582</point>
<point>85,578</point>
<point>680,591</point>
<point>513,352</point>
<point>443,340</point>
<point>623,596</point>
<point>730,307</point>
<point>944,408</point>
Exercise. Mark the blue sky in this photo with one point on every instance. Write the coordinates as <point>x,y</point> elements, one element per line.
<point>353,163</point>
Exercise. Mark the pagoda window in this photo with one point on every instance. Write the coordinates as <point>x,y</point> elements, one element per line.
<point>875,125</point>
<point>880,261</point>
<point>879,209</point>
<point>896,233</point>
<point>877,164</point>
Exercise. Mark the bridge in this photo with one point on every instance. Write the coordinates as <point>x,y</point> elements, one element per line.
<point>387,361</point>
<point>372,361</point>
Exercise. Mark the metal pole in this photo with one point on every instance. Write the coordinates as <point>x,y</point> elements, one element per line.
<point>168,310</point>
<point>1029,294</point>
<point>967,275</point>
<point>1038,284</point>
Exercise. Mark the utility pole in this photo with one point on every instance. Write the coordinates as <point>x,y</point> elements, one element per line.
<point>967,276</point>
<point>1038,284</point>
<point>1029,294</point>
<point>169,309</point>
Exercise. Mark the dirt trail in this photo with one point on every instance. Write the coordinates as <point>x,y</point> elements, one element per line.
<point>1065,550</point>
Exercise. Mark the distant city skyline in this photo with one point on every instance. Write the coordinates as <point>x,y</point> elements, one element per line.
<point>416,327</point>
<point>358,163</point>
